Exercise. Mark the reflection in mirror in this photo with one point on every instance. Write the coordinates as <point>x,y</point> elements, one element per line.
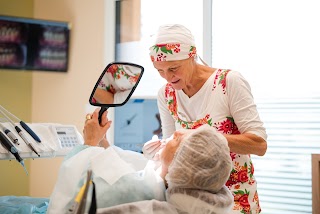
<point>116,84</point>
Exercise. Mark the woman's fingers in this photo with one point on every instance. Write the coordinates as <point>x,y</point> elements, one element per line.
<point>107,126</point>
<point>95,114</point>
<point>151,148</point>
<point>151,145</point>
<point>104,118</point>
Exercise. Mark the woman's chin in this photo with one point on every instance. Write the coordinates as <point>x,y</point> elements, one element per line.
<point>177,86</point>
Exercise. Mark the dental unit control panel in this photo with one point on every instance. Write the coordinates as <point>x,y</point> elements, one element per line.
<point>68,136</point>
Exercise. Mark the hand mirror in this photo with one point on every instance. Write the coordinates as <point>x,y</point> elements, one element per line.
<point>115,85</point>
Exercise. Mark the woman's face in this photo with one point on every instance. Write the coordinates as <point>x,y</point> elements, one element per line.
<point>168,152</point>
<point>178,73</point>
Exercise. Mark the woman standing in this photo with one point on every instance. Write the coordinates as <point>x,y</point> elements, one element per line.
<point>197,94</point>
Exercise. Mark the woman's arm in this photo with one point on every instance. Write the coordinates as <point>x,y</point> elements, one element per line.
<point>246,144</point>
<point>103,96</point>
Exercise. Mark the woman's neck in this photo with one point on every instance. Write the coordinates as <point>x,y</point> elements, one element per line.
<point>198,79</point>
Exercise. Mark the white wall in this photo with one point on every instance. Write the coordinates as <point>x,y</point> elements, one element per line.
<point>274,44</point>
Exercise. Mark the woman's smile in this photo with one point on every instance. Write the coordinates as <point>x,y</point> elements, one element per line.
<point>175,82</point>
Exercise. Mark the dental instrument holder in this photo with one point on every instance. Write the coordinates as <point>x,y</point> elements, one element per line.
<point>22,123</point>
<point>3,111</point>
<point>57,141</point>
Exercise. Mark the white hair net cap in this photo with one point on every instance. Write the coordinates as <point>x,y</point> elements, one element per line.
<point>202,161</point>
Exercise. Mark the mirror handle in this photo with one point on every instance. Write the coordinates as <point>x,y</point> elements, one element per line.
<point>102,110</point>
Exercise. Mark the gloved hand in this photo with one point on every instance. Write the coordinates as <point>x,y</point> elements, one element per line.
<point>151,147</point>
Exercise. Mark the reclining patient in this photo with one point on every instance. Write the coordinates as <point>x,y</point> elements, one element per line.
<point>195,164</point>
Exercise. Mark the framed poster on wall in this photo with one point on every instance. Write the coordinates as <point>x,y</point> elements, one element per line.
<point>34,44</point>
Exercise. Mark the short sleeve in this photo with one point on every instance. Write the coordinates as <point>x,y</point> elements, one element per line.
<point>242,106</point>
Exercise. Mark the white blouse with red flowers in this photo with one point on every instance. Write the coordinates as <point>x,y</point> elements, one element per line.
<point>226,103</point>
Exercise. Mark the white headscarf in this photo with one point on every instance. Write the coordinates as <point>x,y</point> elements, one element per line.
<point>173,42</point>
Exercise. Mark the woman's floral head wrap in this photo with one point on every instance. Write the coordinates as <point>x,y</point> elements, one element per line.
<point>173,42</point>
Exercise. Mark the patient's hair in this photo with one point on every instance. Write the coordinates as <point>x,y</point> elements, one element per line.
<point>202,161</point>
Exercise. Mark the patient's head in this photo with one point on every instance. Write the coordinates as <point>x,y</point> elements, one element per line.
<point>197,159</point>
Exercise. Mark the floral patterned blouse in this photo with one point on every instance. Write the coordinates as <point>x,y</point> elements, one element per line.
<point>226,103</point>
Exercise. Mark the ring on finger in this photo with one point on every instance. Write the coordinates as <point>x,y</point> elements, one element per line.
<point>88,117</point>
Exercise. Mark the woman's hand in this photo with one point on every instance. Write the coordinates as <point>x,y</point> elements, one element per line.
<point>94,132</point>
<point>151,148</point>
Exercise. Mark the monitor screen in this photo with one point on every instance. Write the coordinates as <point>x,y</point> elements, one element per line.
<point>33,44</point>
<point>135,123</point>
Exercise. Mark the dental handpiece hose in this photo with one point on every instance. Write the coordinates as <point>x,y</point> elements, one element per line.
<point>11,148</point>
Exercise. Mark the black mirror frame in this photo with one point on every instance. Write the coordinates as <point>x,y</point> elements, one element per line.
<point>104,107</point>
